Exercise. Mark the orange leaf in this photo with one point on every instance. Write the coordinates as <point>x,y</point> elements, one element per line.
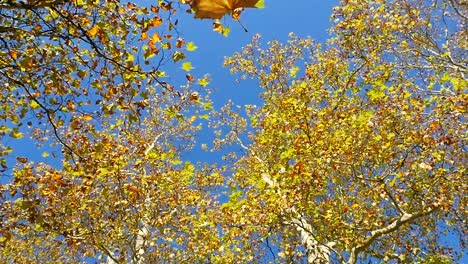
<point>156,21</point>
<point>87,117</point>
<point>216,9</point>
<point>155,9</point>
<point>93,31</point>
<point>156,38</point>
<point>189,77</point>
<point>194,96</point>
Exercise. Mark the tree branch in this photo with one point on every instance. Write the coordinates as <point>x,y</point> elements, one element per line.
<point>403,219</point>
<point>26,6</point>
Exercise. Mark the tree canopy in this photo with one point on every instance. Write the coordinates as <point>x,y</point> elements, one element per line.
<point>357,153</point>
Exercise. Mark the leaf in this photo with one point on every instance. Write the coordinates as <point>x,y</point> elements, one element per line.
<point>191,46</point>
<point>16,134</point>
<point>34,105</point>
<point>87,117</point>
<point>216,9</point>
<point>187,66</point>
<point>155,38</point>
<point>203,82</point>
<point>194,96</point>
<point>157,21</point>
<point>22,159</point>
<point>93,31</point>
<point>293,72</point>
<point>178,56</point>
<point>189,77</point>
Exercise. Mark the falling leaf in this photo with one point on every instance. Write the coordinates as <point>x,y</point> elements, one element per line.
<point>179,43</point>
<point>216,9</point>
<point>177,56</point>
<point>16,134</point>
<point>156,38</point>
<point>189,77</point>
<point>187,66</point>
<point>157,21</point>
<point>191,46</point>
<point>203,82</point>
<point>22,159</point>
<point>194,96</point>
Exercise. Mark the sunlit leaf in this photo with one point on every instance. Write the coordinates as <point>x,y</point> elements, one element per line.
<point>187,66</point>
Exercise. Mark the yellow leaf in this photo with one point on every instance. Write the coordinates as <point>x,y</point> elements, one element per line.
<point>191,46</point>
<point>16,134</point>
<point>34,105</point>
<point>226,31</point>
<point>293,72</point>
<point>192,119</point>
<point>187,66</point>
<point>203,82</point>
<point>130,57</point>
<point>156,38</point>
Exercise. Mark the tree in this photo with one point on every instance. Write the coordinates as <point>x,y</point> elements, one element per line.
<point>363,157</point>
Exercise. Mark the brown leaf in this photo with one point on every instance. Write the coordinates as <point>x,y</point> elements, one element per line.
<point>22,159</point>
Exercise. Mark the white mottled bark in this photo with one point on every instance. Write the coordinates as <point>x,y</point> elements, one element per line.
<point>142,234</point>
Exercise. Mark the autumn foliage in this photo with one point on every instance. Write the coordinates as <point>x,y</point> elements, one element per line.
<point>357,154</point>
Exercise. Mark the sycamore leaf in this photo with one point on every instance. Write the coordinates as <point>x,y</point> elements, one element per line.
<point>93,31</point>
<point>187,66</point>
<point>216,9</point>
<point>191,46</point>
